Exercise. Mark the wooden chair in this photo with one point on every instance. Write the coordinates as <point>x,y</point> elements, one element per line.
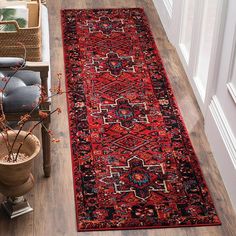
<point>42,69</point>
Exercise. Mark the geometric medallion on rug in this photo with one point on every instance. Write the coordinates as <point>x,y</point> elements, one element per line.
<point>134,166</point>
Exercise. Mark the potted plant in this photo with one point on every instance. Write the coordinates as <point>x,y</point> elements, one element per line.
<point>15,170</point>
<point>18,148</point>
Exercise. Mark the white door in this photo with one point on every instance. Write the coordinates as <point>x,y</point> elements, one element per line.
<point>204,34</point>
<point>192,27</point>
<point>220,119</point>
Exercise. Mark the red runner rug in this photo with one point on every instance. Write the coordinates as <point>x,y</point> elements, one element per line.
<point>133,163</point>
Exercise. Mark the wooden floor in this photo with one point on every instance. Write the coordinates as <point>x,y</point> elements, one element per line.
<point>53,198</point>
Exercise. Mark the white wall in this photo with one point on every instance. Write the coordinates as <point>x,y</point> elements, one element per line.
<point>204,34</point>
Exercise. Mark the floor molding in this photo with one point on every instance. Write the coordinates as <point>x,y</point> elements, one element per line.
<point>165,13</point>
<point>224,129</point>
<point>223,144</point>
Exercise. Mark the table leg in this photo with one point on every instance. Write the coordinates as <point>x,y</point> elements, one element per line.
<point>46,143</point>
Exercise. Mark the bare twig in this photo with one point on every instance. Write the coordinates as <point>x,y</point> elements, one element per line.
<point>31,130</point>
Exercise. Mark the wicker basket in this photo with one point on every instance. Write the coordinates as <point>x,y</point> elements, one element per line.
<point>30,37</point>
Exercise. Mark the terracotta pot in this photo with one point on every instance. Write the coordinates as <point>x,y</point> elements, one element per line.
<point>16,178</point>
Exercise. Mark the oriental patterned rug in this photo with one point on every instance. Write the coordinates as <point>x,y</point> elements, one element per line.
<point>133,163</point>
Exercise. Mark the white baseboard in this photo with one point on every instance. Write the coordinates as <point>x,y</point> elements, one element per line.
<point>223,145</point>
<point>168,5</point>
<point>165,14</point>
<point>194,82</point>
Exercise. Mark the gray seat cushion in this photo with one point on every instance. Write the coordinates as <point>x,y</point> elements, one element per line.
<point>22,92</point>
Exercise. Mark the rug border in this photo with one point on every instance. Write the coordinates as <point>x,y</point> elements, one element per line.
<point>179,115</point>
<point>69,122</point>
<point>148,227</point>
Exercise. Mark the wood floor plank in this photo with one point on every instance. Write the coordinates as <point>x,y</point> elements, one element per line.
<point>53,198</point>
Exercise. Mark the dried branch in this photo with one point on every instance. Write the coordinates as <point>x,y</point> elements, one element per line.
<point>57,90</point>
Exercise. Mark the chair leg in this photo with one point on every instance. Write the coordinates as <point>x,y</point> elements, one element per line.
<point>46,143</point>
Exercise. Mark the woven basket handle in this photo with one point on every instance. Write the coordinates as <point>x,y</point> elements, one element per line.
<point>11,23</point>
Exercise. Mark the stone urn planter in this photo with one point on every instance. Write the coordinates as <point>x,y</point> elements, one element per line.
<point>15,177</point>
